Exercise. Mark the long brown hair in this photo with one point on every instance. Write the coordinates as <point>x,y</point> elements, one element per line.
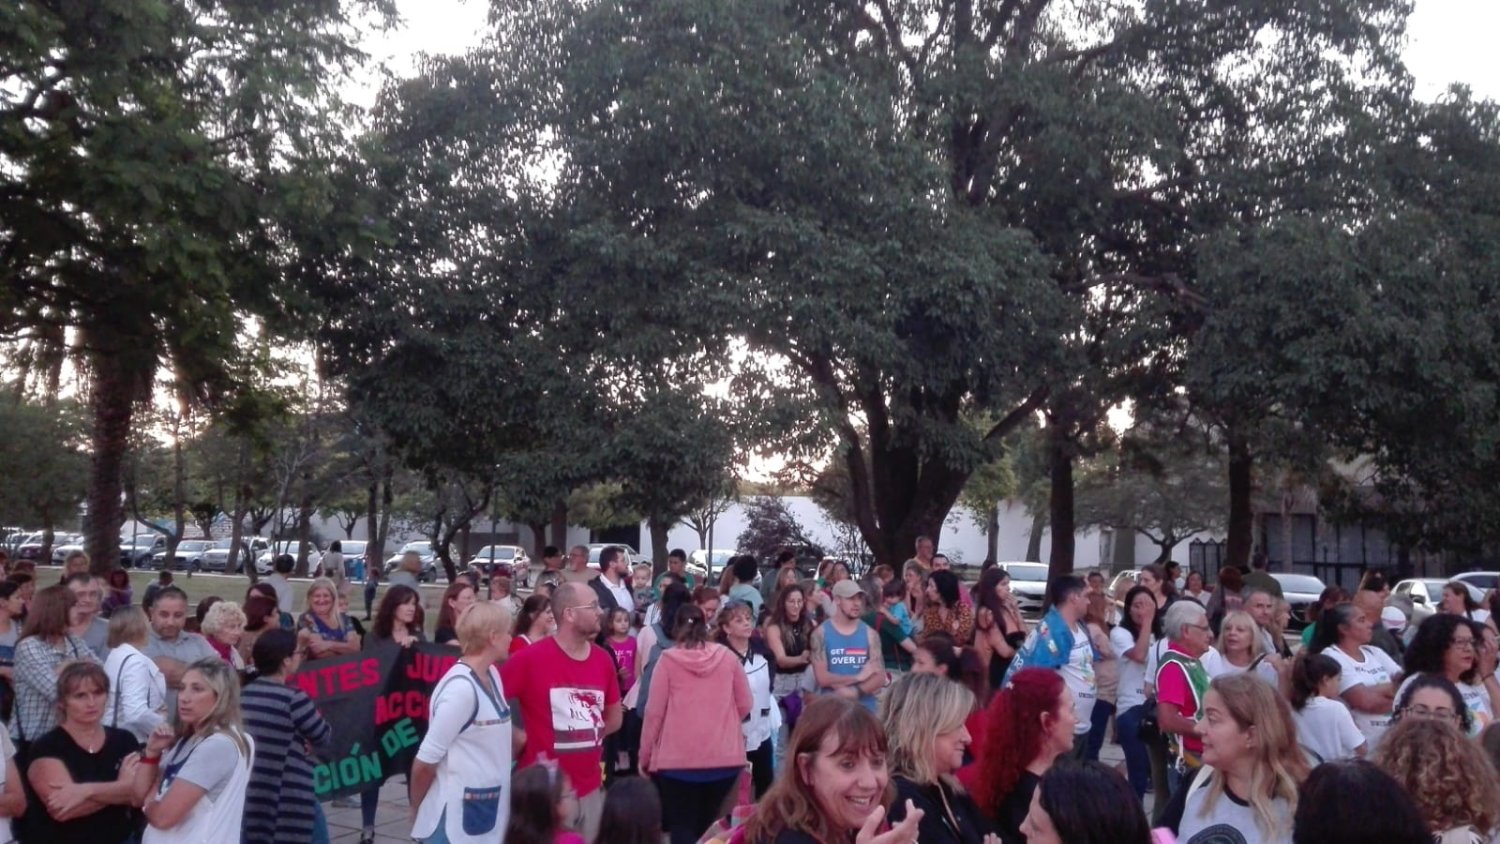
<point>47,616</point>
<point>447,615</point>
<point>790,803</point>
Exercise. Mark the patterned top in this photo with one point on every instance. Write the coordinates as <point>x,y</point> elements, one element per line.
<point>279,803</point>
<point>36,682</point>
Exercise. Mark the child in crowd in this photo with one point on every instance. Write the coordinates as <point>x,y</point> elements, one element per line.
<point>623,644</point>
<point>621,747</point>
<point>632,813</point>
<point>893,604</point>
<point>1324,725</point>
<point>541,797</point>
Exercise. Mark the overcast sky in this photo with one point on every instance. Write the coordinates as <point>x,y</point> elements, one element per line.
<point>1449,40</point>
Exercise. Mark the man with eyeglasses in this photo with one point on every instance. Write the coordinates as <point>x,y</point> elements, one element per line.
<point>578,570</point>
<point>1181,682</point>
<point>565,695</point>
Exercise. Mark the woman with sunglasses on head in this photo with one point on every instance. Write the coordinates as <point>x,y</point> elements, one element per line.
<point>924,717</point>
<point>1453,648</point>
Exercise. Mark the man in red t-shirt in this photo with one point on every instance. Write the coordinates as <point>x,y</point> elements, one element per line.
<point>567,694</point>
<point>1181,681</point>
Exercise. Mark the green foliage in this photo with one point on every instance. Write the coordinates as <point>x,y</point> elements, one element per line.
<point>41,452</point>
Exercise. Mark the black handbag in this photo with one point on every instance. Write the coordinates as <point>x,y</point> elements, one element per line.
<point>1149,729</point>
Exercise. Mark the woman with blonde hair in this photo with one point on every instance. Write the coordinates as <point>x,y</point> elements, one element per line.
<point>322,629</point>
<point>1241,649</point>
<point>137,688</point>
<point>1252,766</point>
<point>197,775</point>
<point>924,717</point>
<point>460,779</point>
<point>1451,778</point>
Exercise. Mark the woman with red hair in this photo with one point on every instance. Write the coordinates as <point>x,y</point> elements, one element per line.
<point>1030,724</point>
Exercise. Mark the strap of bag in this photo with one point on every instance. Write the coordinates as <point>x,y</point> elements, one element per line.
<point>120,675</point>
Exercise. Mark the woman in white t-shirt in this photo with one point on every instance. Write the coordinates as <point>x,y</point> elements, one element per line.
<point>196,776</point>
<point>1132,640</point>
<point>1368,676</point>
<point>1324,725</point>
<point>460,780</point>
<point>1252,766</point>
<point>1242,649</point>
<point>1453,648</point>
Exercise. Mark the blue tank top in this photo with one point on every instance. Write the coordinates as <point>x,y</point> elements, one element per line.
<point>847,654</point>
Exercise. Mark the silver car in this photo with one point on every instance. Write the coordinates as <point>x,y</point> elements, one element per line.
<point>1028,582</point>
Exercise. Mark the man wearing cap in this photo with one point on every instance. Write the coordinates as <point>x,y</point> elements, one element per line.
<point>846,656</point>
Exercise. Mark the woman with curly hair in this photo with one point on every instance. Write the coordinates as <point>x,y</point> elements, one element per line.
<point>1453,648</point>
<point>1028,726</point>
<point>1451,777</point>
<point>1251,770</point>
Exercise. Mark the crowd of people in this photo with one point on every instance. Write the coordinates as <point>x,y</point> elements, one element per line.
<point>770,708</point>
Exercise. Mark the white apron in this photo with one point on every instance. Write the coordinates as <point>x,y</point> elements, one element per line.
<point>471,793</point>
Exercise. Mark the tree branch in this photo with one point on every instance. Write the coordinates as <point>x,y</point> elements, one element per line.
<point>1011,420</point>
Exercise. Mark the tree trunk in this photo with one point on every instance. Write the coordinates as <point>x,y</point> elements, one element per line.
<point>659,548</point>
<point>237,538</point>
<point>1241,462</point>
<point>992,534</point>
<point>1060,460</point>
<point>375,553</point>
<point>304,536</point>
<point>1034,541</point>
<point>372,516</point>
<point>44,556</point>
<point>179,492</point>
<point>538,539</point>
<point>1286,530</point>
<point>113,405</point>
<point>560,526</point>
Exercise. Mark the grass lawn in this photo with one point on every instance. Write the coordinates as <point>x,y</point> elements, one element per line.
<point>231,587</point>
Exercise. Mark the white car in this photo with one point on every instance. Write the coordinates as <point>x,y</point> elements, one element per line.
<point>291,547</point>
<point>1028,582</point>
<point>510,556</point>
<point>631,555</point>
<point>1300,591</point>
<point>1483,580</point>
<point>704,564</point>
<point>1426,595</point>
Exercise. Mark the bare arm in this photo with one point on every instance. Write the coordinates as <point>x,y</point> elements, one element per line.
<point>874,666</point>
<point>423,774</point>
<point>778,650</point>
<point>1373,699</point>
<point>66,800</point>
<point>13,799</point>
<point>1171,719</point>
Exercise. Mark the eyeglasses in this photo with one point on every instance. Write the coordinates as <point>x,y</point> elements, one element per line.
<point>1422,711</point>
<point>1462,643</point>
<point>593,607</point>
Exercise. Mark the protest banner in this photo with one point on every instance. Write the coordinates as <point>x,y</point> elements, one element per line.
<point>376,702</point>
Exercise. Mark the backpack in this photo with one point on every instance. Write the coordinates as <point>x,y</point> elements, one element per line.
<point>651,658</point>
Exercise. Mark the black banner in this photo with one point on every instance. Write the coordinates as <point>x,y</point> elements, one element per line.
<point>376,702</point>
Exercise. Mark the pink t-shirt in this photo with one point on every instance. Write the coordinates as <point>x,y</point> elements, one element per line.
<point>625,655</point>
<point>562,702</point>
<point>1172,686</point>
<point>568,836</point>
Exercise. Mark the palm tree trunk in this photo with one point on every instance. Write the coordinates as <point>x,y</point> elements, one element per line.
<point>112,401</point>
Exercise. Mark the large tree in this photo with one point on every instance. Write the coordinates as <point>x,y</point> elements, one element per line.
<point>154,155</point>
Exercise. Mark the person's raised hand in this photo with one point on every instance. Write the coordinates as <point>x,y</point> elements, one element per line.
<point>904,832</point>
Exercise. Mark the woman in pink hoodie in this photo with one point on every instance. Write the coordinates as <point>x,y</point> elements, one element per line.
<point>691,743</point>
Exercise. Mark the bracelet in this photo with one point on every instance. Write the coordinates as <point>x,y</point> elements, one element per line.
<point>151,760</point>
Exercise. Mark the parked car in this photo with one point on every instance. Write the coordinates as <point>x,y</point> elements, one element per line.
<point>138,550</point>
<point>189,556</point>
<point>1028,582</point>
<point>65,544</point>
<point>1301,591</point>
<point>353,551</point>
<point>216,558</point>
<point>708,564</point>
<point>510,557</point>
<point>31,547</point>
<point>286,546</point>
<point>1426,594</point>
<point>421,548</point>
<point>1127,576</point>
<point>1484,580</point>
<point>631,555</point>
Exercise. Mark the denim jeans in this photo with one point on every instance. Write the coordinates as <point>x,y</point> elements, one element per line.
<point>1137,760</point>
<point>1099,728</point>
